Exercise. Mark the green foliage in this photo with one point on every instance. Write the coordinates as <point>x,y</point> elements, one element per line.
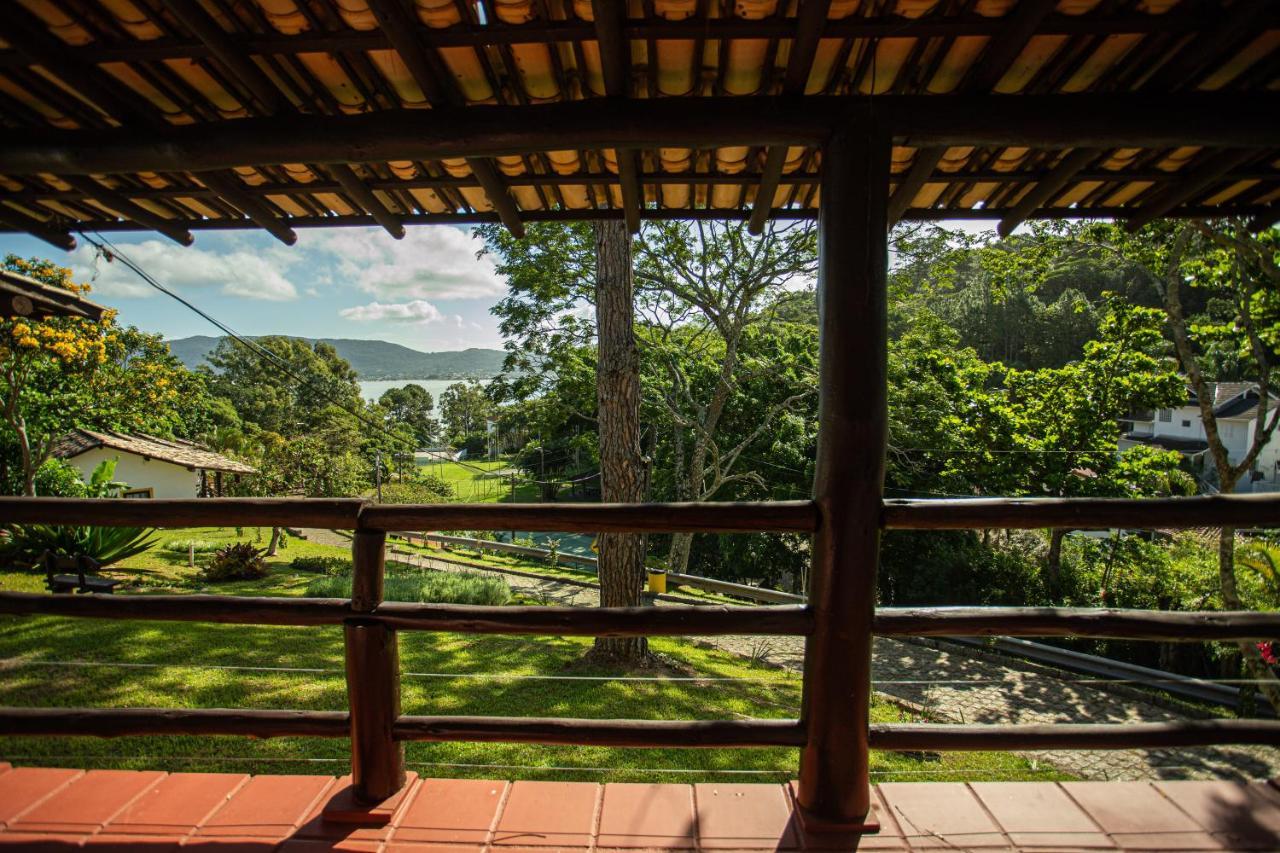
<point>956,568</point>
<point>423,489</point>
<point>321,565</point>
<point>464,408</point>
<point>425,587</point>
<point>411,407</point>
<point>236,562</point>
<point>189,546</point>
<point>24,545</point>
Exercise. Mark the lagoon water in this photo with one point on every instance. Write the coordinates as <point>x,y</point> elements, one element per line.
<point>372,389</point>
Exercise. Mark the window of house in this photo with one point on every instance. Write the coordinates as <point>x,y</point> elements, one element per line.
<point>1166,415</point>
<point>139,493</point>
<point>1186,424</point>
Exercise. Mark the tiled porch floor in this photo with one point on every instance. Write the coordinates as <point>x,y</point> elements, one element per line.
<point>58,809</point>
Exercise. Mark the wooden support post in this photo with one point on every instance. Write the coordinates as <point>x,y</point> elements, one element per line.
<point>373,679</point>
<point>834,790</point>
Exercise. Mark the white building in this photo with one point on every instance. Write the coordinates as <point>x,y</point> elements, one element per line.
<point>1235,407</point>
<point>153,467</point>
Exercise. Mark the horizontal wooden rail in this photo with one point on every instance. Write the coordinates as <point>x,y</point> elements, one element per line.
<point>1082,513</point>
<point>1191,626</point>
<point>338,514</point>
<point>940,737</point>
<point>117,722</point>
<point>633,733</point>
<point>778,516</point>
<point>567,621</point>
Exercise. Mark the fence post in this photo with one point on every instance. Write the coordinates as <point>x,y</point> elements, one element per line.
<point>834,787</point>
<point>373,678</point>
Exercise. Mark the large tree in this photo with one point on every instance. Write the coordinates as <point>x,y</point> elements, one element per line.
<point>411,407</point>
<point>708,286</point>
<point>1235,333</point>
<point>622,461</point>
<point>62,373</point>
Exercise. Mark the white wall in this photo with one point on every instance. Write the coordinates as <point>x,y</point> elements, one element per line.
<point>166,479</point>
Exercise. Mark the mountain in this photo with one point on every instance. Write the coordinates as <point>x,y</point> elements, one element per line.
<point>376,359</point>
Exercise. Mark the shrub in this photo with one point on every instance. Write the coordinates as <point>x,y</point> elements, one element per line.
<point>322,565</point>
<point>186,546</point>
<point>426,490</point>
<point>427,587</point>
<point>238,562</point>
<point>24,545</point>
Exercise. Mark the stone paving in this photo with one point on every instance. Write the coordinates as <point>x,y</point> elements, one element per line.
<point>948,684</point>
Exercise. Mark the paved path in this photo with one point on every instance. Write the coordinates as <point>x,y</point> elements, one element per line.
<point>950,684</point>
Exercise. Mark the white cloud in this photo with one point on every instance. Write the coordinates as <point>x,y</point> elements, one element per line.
<point>417,311</point>
<point>431,262</point>
<point>244,273</point>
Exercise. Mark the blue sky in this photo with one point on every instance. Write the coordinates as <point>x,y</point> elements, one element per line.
<point>428,291</point>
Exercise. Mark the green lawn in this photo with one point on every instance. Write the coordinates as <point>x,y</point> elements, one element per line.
<point>54,661</point>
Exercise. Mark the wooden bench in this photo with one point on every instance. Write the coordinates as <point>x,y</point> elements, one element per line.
<point>83,580</point>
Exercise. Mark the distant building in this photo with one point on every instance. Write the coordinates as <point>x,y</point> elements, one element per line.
<point>1235,406</point>
<point>153,467</point>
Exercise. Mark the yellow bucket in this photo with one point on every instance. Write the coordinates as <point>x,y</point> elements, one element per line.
<point>657,581</point>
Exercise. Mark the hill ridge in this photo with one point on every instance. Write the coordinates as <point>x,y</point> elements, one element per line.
<point>371,358</point>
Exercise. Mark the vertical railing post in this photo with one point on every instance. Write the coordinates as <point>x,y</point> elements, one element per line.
<point>834,789</point>
<point>373,678</point>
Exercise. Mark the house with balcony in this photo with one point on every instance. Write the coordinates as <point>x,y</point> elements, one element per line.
<point>1235,406</point>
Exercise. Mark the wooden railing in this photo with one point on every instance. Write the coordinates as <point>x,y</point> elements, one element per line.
<point>378,729</point>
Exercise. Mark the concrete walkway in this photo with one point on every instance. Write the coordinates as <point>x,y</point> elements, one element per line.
<point>970,687</point>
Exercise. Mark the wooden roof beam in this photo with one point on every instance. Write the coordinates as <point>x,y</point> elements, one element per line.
<point>1244,18</point>
<point>272,101</point>
<point>1197,180</point>
<point>1047,188</point>
<point>615,63</point>
<point>1016,30</point>
<point>1245,120</point>
<point>129,209</point>
<point>811,18</point>
<point>232,189</point>
<point>435,80</point>
<point>45,231</point>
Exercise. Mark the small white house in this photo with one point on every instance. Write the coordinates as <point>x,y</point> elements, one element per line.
<point>153,467</point>
<point>1235,407</point>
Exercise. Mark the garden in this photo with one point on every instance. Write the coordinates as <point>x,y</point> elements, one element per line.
<point>48,661</point>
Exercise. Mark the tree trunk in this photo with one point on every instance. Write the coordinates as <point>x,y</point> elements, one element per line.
<point>1053,565</point>
<point>622,476</point>
<point>274,543</point>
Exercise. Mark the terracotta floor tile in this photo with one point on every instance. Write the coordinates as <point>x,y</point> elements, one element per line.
<point>32,842</point>
<point>744,817</point>
<point>424,847</point>
<point>1138,817</point>
<point>88,802</point>
<point>113,843</point>
<point>231,844</point>
<point>940,815</point>
<point>638,815</point>
<point>5,766</point>
<point>1244,816</point>
<point>177,805</point>
<point>314,826</point>
<point>451,811</point>
<point>888,838</point>
<point>1040,814</point>
<point>548,814</point>
<point>338,844</point>
<point>267,806</point>
<point>22,788</point>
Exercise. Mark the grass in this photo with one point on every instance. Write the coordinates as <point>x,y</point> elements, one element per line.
<point>424,586</point>
<point>48,661</point>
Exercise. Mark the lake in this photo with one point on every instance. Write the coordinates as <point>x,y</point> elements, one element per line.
<point>372,389</point>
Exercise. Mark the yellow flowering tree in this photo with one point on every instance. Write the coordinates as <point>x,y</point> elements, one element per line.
<point>67,372</point>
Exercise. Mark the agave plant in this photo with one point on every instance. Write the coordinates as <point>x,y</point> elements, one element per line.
<point>24,545</point>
